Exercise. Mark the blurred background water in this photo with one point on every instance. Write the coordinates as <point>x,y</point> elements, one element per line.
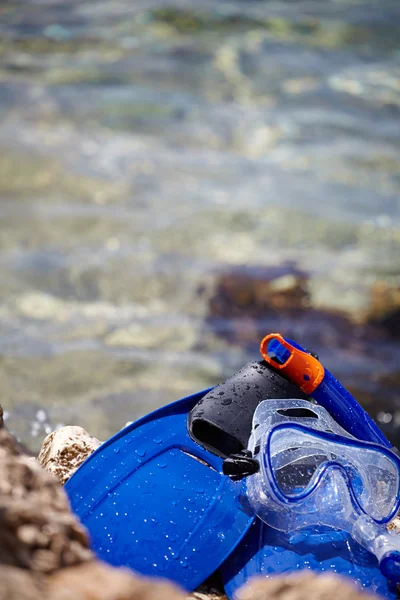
<point>178,178</point>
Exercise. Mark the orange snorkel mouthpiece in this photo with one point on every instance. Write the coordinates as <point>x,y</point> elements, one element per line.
<point>299,367</point>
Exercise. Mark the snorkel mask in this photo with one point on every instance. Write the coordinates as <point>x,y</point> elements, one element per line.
<point>313,472</point>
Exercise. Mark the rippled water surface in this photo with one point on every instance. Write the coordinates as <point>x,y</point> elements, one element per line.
<point>152,153</point>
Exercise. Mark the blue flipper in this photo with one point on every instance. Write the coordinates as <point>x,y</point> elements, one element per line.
<point>266,551</point>
<point>157,502</point>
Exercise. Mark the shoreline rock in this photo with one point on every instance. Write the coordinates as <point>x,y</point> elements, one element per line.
<point>99,581</point>
<point>302,586</point>
<point>37,529</point>
<point>64,450</point>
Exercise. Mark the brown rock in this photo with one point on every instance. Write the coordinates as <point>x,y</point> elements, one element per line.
<point>385,299</point>
<point>205,594</point>
<point>211,589</point>
<point>37,529</point>
<point>302,586</point>
<point>63,451</point>
<point>391,324</point>
<point>98,581</point>
<point>19,584</point>
<point>394,525</point>
<point>9,445</point>
<point>257,300</point>
<point>258,291</point>
<point>385,308</point>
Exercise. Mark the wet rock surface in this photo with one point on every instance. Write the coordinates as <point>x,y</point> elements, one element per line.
<point>64,450</point>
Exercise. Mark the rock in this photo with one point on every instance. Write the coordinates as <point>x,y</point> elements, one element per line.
<point>385,299</point>
<point>206,595</point>
<point>385,308</point>
<point>1,417</point>
<point>64,450</point>
<point>301,586</point>
<point>9,446</point>
<point>91,581</point>
<point>98,581</point>
<point>255,300</point>
<point>394,525</point>
<point>391,324</point>
<point>254,292</point>
<point>37,529</point>
<point>211,589</point>
<point>19,584</point>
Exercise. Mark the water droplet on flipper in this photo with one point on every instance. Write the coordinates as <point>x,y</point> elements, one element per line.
<point>226,401</point>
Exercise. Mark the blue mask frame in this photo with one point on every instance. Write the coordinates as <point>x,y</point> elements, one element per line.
<point>316,480</point>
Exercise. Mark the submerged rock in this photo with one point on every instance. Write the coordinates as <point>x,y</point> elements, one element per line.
<point>244,303</point>
<point>253,292</point>
<point>64,450</point>
<point>385,308</point>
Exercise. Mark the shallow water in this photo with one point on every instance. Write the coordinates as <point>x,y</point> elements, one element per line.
<point>147,147</point>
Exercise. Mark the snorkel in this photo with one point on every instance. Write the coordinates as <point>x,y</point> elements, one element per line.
<point>305,370</point>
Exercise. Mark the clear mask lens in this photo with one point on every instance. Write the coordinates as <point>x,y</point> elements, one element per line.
<point>300,460</point>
